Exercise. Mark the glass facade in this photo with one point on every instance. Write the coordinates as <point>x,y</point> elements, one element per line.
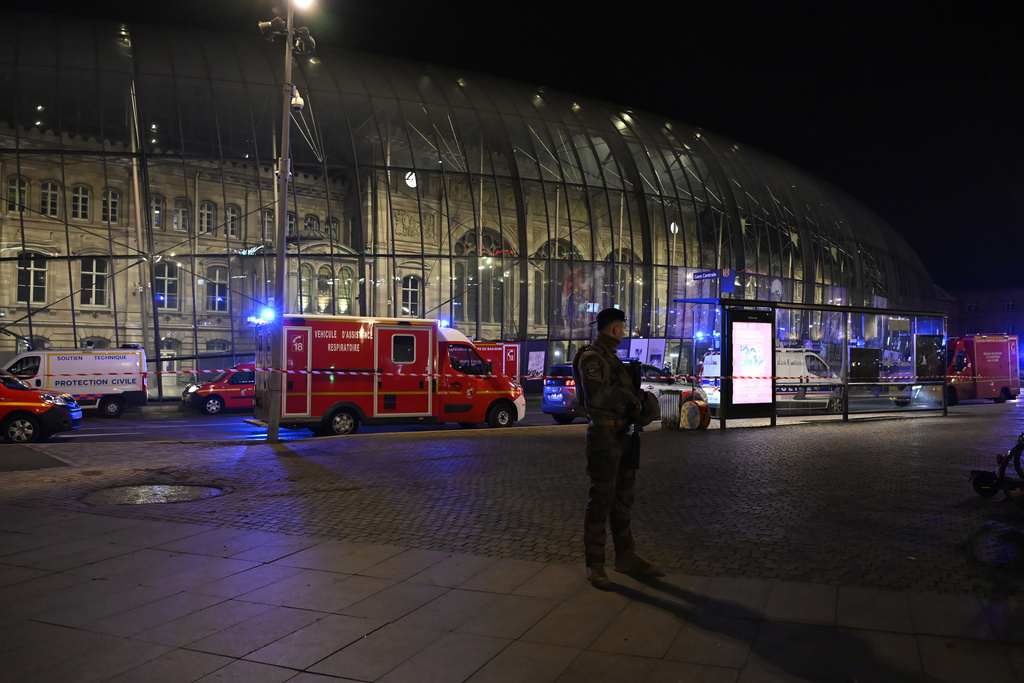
<point>511,211</point>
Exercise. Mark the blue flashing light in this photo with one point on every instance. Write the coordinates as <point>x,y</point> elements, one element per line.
<point>700,335</point>
<point>444,323</point>
<point>266,315</point>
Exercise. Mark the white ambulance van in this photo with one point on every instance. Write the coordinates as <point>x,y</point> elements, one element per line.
<point>106,379</point>
<point>803,380</point>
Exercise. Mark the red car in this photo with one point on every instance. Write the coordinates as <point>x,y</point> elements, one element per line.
<point>27,415</point>
<point>234,388</point>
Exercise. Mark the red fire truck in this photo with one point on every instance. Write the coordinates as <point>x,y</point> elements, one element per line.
<point>982,366</point>
<point>341,371</point>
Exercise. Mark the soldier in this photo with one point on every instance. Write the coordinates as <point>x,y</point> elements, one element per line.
<point>607,392</point>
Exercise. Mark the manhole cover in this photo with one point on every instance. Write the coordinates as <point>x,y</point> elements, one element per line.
<point>151,493</point>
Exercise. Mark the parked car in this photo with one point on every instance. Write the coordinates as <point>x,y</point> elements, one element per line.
<point>234,388</point>
<point>27,415</point>
<point>559,399</point>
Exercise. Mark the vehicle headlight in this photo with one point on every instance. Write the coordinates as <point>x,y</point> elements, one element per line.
<point>190,388</point>
<point>55,400</point>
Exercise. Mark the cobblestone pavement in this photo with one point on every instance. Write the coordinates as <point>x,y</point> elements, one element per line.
<point>883,501</point>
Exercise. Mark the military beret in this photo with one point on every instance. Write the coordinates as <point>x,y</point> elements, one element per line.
<point>609,316</point>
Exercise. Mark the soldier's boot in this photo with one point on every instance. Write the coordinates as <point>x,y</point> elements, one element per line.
<point>597,577</point>
<point>634,564</point>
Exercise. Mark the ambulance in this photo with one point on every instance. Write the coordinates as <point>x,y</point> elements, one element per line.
<point>105,379</point>
<point>343,371</point>
<point>982,366</point>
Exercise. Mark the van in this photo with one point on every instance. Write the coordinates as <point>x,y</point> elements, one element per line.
<point>27,415</point>
<point>343,371</point>
<point>105,379</point>
<point>984,366</point>
<point>234,388</point>
<point>803,381</point>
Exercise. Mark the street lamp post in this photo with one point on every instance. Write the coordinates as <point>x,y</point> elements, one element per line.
<point>290,102</point>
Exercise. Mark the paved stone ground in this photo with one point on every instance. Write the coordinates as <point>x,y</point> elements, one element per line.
<point>881,502</point>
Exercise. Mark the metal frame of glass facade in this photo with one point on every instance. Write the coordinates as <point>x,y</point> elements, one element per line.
<point>512,211</point>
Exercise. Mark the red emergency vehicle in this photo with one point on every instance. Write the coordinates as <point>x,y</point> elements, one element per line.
<point>232,388</point>
<point>982,366</point>
<point>341,371</point>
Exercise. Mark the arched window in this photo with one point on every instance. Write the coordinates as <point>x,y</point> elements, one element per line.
<point>412,287</point>
<point>311,222</point>
<point>480,281</point>
<point>207,217</point>
<point>334,229</point>
<point>324,289</point>
<point>233,220</point>
<point>49,199</point>
<point>293,221</point>
<point>17,194</point>
<point>31,278</point>
<point>156,211</point>
<point>110,207</point>
<point>180,220</point>
<point>343,290</point>
<point>95,274</point>
<point>81,196</point>
<point>558,250</point>
<point>217,289</point>
<point>166,276</point>
<point>305,302</point>
<point>95,343</point>
<point>34,343</point>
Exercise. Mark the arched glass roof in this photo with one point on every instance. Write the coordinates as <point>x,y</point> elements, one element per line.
<point>410,157</point>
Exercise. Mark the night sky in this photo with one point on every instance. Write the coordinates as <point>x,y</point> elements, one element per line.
<point>914,108</point>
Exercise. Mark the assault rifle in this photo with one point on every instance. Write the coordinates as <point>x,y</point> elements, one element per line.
<point>633,452</point>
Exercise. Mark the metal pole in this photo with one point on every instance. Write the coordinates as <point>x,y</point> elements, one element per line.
<point>281,216</point>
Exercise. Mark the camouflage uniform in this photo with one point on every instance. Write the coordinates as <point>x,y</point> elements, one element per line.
<point>607,392</point>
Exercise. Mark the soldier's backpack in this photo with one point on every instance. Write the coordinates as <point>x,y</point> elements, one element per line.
<point>580,394</point>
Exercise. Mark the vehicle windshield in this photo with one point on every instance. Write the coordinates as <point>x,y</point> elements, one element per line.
<point>11,382</point>
<point>216,378</point>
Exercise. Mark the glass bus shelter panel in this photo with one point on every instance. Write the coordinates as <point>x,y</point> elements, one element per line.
<point>809,364</point>
<point>888,363</point>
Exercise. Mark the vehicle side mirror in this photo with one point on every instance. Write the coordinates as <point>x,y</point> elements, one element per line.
<point>490,368</point>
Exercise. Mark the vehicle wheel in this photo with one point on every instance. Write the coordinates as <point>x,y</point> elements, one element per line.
<point>500,415</point>
<point>951,398</point>
<point>212,405</point>
<point>111,406</point>
<point>562,418</point>
<point>985,484</point>
<point>1003,395</point>
<point>22,429</point>
<point>835,406</point>
<point>1011,480</point>
<point>342,422</point>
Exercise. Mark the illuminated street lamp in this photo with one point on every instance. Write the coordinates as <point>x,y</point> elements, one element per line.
<point>297,41</point>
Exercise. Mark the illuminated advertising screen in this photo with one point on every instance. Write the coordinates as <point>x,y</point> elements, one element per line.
<point>751,347</point>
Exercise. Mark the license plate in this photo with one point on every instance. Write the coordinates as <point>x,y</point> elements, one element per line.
<point>76,414</point>
<point>554,398</point>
